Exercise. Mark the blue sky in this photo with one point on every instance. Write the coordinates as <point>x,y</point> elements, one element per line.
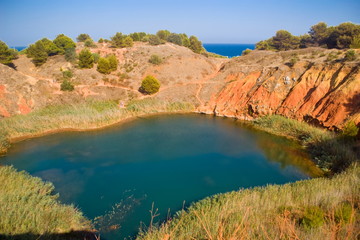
<point>227,21</point>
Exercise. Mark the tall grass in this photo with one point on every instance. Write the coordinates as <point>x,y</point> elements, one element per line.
<point>89,115</point>
<point>28,205</point>
<point>330,152</point>
<point>272,212</point>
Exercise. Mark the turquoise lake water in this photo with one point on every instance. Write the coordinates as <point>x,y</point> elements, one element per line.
<point>169,160</point>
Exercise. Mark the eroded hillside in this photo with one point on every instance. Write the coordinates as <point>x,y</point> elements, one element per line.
<point>312,89</point>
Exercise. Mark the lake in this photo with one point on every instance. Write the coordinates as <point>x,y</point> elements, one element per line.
<point>117,173</point>
<point>228,49</point>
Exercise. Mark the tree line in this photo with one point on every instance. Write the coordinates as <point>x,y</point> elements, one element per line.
<point>345,35</point>
<point>64,45</point>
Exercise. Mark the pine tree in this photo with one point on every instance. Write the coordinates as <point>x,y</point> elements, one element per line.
<point>103,66</point>
<point>113,62</point>
<point>38,53</point>
<point>86,59</point>
<point>6,54</point>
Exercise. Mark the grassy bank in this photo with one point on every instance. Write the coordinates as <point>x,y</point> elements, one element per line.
<point>85,116</point>
<point>329,151</point>
<point>29,207</point>
<point>321,208</point>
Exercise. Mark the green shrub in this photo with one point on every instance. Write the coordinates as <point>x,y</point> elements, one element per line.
<point>38,53</point>
<point>70,55</point>
<point>313,217</point>
<point>175,38</point>
<point>155,59</point>
<point>246,52</point>
<point>89,43</point>
<point>63,42</point>
<point>107,65</point>
<point>154,40</point>
<point>67,85</point>
<point>103,66</point>
<point>101,40</point>
<point>293,61</point>
<point>343,213</point>
<point>195,45</point>
<point>113,62</point>
<point>83,37</point>
<point>350,130</point>
<point>350,55</point>
<point>67,74</point>
<point>355,43</point>
<point>163,34</point>
<point>6,54</point>
<point>96,57</point>
<point>149,85</point>
<point>120,40</point>
<point>86,59</point>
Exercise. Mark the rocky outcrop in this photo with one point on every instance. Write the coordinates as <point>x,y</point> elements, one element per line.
<point>260,83</point>
<point>324,93</point>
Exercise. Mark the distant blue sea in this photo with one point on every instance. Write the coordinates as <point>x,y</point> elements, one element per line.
<point>227,49</point>
<point>19,48</point>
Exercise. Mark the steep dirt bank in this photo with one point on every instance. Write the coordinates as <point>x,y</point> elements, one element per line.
<point>325,93</point>
<point>313,89</point>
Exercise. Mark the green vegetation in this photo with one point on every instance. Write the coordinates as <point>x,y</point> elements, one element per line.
<point>154,40</point>
<point>313,217</point>
<point>350,55</point>
<point>86,59</point>
<point>28,205</point>
<point>355,42</point>
<point>163,34</point>
<point>328,150</point>
<point>120,40</point>
<point>67,85</point>
<point>342,36</point>
<point>103,66</point>
<point>38,53</point>
<point>7,54</point>
<point>246,52</point>
<point>350,130</point>
<point>70,55</point>
<point>149,85</point>
<point>195,45</point>
<point>42,49</point>
<point>96,57</point>
<point>63,42</point>
<point>89,43</point>
<point>175,38</point>
<point>294,59</point>
<point>83,37</point>
<point>155,59</point>
<point>301,210</point>
<point>107,65</point>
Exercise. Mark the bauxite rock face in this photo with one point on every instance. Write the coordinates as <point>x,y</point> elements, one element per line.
<point>260,83</point>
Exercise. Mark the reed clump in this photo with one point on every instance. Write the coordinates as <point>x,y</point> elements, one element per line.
<point>29,205</point>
